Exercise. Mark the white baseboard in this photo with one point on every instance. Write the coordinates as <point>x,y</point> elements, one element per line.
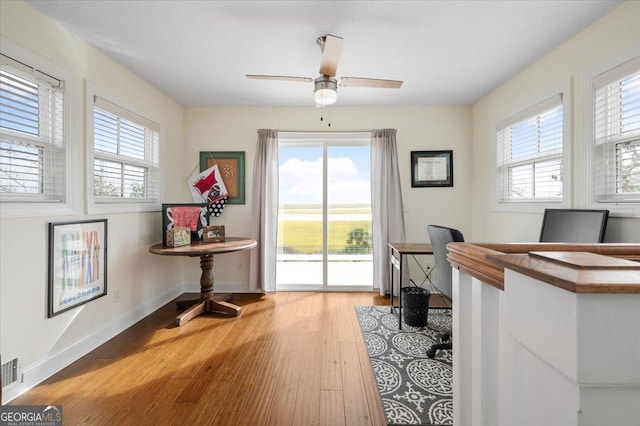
<point>42,370</point>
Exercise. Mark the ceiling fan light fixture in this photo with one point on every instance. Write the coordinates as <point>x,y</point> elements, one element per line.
<point>325,87</point>
<point>325,90</point>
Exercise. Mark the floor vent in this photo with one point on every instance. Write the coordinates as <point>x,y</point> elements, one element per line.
<point>10,372</point>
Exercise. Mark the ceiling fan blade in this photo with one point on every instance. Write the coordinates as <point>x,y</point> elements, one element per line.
<point>331,46</point>
<point>370,82</point>
<point>279,77</point>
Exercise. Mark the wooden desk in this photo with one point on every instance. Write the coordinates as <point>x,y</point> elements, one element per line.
<point>396,252</point>
<point>208,301</point>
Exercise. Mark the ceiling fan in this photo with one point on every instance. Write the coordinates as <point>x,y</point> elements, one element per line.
<point>325,87</point>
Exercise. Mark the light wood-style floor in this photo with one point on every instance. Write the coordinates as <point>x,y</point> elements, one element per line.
<point>292,358</point>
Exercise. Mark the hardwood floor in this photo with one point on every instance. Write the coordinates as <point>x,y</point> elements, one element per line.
<point>292,358</point>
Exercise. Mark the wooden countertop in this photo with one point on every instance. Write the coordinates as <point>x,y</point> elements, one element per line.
<point>579,268</point>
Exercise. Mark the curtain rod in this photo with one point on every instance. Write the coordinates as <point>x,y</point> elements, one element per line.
<point>322,131</point>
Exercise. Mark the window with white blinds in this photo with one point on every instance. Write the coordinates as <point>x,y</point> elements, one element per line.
<point>529,154</point>
<point>125,155</point>
<point>616,109</point>
<point>32,142</point>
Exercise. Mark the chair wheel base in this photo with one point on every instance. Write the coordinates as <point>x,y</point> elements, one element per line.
<point>431,352</point>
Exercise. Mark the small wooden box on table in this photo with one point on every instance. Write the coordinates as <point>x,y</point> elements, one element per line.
<point>208,301</point>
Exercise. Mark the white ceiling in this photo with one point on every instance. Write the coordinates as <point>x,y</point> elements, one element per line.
<point>447,52</point>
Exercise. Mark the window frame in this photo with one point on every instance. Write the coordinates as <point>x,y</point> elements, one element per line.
<point>42,207</point>
<point>616,207</point>
<point>95,205</point>
<point>527,110</point>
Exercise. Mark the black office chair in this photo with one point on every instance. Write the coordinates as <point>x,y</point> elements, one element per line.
<point>573,226</point>
<point>440,236</point>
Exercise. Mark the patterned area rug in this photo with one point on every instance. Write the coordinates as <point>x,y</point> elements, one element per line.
<point>414,389</point>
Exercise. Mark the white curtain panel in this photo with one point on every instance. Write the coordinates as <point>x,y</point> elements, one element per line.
<point>386,204</point>
<point>264,226</point>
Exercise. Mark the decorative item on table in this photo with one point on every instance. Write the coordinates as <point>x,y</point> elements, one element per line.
<point>208,187</point>
<point>179,236</point>
<point>194,216</point>
<point>214,234</point>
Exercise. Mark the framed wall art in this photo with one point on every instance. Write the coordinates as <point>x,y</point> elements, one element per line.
<point>431,168</point>
<point>194,216</point>
<point>77,264</point>
<point>231,166</point>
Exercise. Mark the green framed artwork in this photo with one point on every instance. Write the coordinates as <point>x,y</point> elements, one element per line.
<point>231,167</point>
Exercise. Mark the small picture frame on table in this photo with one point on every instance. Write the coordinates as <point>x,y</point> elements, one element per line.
<point>77,264</point>
<point>213,234</point>
<point>431,168</point>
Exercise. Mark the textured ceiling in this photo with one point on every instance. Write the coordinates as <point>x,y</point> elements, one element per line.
<point>447,52</point>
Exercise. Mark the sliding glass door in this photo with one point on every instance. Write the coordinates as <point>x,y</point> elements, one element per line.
<point>324,218</point>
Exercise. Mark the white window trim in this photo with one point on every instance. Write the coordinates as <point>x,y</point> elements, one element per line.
<point>44,208</point>
<point>616,209</point>
<point>563,89</point>
<point>126,205</point>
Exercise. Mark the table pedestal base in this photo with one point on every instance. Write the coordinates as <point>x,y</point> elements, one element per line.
<point>208,301</point>
<point>194,307</point>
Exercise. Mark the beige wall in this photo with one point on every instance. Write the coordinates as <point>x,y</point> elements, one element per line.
<point>606,37</point>
<point>136,275</point>
<point>139,277</point>
<point>132,272</point>
<point>419,128</point>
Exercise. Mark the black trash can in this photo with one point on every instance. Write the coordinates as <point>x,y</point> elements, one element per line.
<point>415,306</point>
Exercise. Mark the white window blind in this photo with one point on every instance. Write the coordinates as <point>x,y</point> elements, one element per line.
<point>125,155</point>
<point>32,143</point>
<point>617,134</point>
<point>529,150</point>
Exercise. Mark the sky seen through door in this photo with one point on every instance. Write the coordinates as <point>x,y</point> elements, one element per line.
<point>301,175</point>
